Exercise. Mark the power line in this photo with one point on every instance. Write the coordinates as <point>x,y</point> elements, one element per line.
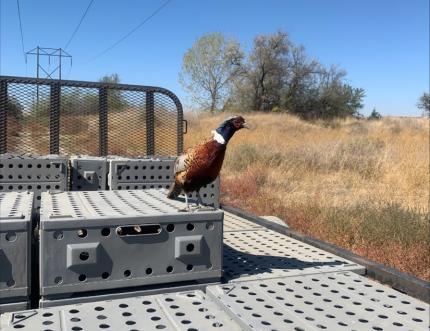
<point>131,32</point>
<point>79,24</point>
<point>20,27</point>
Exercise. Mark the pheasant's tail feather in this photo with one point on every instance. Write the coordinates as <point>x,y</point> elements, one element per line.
<point>175,191</point>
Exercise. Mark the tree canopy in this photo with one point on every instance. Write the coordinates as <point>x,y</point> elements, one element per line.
<point>208,69</point>
<point>424,103</point>
<point>276,74</point>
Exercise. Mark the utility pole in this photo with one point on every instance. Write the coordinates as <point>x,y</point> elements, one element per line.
<point>50,53</point>
<point>56,53</point>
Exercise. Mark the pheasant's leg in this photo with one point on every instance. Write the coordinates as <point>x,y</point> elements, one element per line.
<point>201,205</point>
<point>198,202</point>
<point>187,208</point>
<point>186,200</point>
<point>199,199</point>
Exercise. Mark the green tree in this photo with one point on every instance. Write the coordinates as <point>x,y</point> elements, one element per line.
<point>14,108</point>
<point>116,102</point>
<point>111,79</point>
<point>424,104</point>
<point>279,75</point>
<point>333,97</point>
<point>374,115</point>
<point>260,84</point>
<point>208,68</point>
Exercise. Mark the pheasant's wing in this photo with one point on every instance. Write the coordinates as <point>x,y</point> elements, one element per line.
<point>180,163</point>
<point>187,160</point>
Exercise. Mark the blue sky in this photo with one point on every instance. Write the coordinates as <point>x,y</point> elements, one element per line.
<point>383,45</point>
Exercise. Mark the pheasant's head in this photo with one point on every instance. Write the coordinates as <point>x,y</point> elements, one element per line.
<point>227,129</point>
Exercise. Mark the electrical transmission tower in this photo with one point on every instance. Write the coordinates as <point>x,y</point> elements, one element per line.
<point>55,53</point>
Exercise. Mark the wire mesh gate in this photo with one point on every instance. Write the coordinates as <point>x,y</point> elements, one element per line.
<point>44,116</point>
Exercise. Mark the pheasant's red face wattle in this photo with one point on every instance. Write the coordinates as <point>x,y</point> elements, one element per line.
<point>239,123</point>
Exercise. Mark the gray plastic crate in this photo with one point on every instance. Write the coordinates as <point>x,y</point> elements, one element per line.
<point>124,293</point>
<point>13,306</point>
<point>88,173</point>
<point>33,173</point>
<point>143,186</point>
<point>209,193</point>
<point>150,170</point>
<point>136,174</point>
<point>32,168</point>
<point>15,240</point>
<point>88,241</point>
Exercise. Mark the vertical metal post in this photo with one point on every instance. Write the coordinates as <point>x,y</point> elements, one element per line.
<point>37,75</point>
<point>150,124</point>
<point>54,119</point>
<point>180,128</point>
<point>3,117</point>
<point>103,121</point>
<point>59,75</point>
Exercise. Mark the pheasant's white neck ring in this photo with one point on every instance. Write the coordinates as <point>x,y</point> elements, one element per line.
<point>218,138</point>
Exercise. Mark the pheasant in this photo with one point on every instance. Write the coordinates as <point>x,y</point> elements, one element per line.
<point>201,165</point>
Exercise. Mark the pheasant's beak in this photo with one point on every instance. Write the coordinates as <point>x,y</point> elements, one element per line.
<point>245,126</point>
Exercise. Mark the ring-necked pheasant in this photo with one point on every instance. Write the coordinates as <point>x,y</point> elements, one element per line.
<point>201,165</point>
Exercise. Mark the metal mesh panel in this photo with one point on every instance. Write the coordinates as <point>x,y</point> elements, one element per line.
<point>79,118</point>
<point>44,116</point>
<point>28,118</point>
<point>126,123</point>
<point>166,125</point>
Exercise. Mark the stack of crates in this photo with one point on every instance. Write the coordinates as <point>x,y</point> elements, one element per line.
<point>15,253</point>
<point>105,240</point>
<point>148,173</point>
<point>33,173</point>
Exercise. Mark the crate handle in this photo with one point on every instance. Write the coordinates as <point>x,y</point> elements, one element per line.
<point>138,230</point>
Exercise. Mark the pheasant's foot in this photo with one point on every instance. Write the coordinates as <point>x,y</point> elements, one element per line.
<point>204,208</point>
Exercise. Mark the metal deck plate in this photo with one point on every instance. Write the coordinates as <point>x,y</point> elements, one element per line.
<point>333,301</point>
<point>233,222</point>
<point>186,311</point>
<point>261,254</point>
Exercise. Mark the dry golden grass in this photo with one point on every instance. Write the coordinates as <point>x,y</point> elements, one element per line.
<point>79,133</point>
<point>362,185</point>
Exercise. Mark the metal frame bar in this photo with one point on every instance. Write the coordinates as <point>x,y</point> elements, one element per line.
<point>54,119</point>
<point>55,115</point>
<point>103,121</point>
<point>398,280</point>
<point>3,117</point>
<point>150,127</point>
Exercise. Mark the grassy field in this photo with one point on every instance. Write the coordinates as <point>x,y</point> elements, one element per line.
<point>362,185</point>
